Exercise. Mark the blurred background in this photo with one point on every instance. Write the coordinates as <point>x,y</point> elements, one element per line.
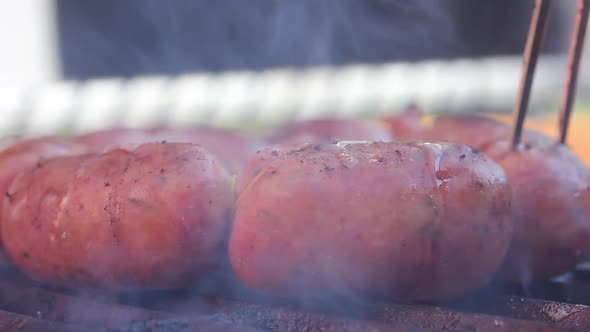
<point>138,37</point>
<point>85,39</point>
<point>77,65</point>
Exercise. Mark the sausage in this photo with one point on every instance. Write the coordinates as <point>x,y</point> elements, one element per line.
<point>18,155</point>
<point>421,221</point>
<point>551,194</point>
<point>156,217</point>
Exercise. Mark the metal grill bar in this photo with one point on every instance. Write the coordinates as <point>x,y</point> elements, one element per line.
<point>263,99</point>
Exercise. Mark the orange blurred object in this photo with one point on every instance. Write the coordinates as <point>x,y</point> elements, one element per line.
<point>578,137</point>
<point>578,134</point>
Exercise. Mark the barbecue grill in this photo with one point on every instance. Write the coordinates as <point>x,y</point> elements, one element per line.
<point>234,99</point>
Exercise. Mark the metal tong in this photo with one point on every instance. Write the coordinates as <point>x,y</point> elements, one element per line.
<point>531,54</point>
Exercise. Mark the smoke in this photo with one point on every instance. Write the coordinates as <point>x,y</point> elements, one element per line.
<point>137,37</point>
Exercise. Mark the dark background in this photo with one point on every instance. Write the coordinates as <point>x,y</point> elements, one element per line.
<point>138,37</point>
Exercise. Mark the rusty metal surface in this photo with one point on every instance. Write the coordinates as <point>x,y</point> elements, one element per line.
<point>442,319</point>
<point>20,323</point>
<point>286,319</point>
<point>46,306</point>
<point>557,313</point>
<point>177,325</point>
<point>54,306</point>
<point>30,307</point>
<point>397,316</point>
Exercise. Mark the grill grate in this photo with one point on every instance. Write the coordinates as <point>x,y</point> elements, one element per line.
<point>28,306</point>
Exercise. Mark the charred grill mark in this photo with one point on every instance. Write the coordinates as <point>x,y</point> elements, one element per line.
<point>127,164</point>
<point>113,209</point>
<point>399,156</point>
<point>478,185</point>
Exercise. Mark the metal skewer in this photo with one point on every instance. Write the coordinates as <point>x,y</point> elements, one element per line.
<point>531,54</point>
<point>571,80</point>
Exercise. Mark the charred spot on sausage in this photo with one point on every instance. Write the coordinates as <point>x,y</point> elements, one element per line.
<point>113,209</point>
<point>462,156</point>
<point>164,142</point>
<point>107,184</point>
<point>127,165</point>
<point>8,196</point>
<point>479,185</point>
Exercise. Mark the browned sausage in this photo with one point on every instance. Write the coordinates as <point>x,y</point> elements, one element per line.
<point>418,221</point>
<point>151,218</point>
<point>21,154</point>
<point>551,193</point>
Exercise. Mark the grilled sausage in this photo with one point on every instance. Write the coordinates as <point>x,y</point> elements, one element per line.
<point>551,193</point>
<point>153,218</point>
<point>417,221</point>
<point>21,154</point>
